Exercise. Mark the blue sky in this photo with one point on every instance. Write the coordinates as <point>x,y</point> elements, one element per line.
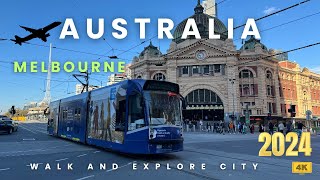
<point>17,89</point>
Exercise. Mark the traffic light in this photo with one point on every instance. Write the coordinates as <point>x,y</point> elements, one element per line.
<point>292,110</point>
<point>12,110</point>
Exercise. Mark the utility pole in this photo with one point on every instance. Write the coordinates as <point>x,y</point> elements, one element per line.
<point>85,75</point>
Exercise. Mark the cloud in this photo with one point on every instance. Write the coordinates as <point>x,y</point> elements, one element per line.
<point>270,10</point>
<point>316,69</point>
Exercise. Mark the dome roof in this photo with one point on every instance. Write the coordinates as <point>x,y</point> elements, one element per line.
<point>150,51</point>
<point>251,43</point>
<point>202,21</point>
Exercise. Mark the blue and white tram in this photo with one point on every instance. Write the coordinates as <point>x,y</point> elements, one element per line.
<point>133,116</point>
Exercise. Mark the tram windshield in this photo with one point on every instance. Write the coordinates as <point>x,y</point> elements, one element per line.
<point>164,108</point>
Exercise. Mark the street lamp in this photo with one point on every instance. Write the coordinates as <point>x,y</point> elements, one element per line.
<point>233,105</point>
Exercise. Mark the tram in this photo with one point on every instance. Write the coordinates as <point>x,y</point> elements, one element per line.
<point>133,116</point>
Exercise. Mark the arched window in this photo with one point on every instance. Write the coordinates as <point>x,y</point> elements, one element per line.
<point>305,95</point>
<point>203,96</point>
<point>159,77</point>
<point>269,75</point>
<point>245,74</point>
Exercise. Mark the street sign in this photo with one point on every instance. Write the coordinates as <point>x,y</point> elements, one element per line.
<point>308,113</point>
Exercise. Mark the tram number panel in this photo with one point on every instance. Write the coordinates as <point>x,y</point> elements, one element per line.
<point>164,146</point>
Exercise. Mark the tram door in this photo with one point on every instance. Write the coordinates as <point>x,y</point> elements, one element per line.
<point>120,120</point>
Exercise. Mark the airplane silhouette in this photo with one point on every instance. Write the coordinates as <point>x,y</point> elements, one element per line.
<point>35,33</point>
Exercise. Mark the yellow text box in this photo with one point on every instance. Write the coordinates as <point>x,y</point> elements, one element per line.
<point>302,167</point>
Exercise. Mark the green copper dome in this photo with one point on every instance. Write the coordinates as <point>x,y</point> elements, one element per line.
<point>251,43</point>
<point>151,51</point>
<point>202,21</point>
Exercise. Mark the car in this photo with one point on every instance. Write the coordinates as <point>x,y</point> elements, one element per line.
<point>8,125</point>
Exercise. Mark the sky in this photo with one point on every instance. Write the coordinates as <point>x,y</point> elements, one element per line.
<point>20,88</point>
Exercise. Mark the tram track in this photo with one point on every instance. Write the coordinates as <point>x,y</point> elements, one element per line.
<point>234,158</point>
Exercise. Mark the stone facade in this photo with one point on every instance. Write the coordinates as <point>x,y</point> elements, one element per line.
<point>250,78</point>
<point>299,87</point>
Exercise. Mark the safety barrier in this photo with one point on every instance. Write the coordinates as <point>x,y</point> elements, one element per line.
<point>19,118</point>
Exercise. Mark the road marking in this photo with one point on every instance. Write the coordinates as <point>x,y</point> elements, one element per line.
<point>82,155</point>
<point>86,177</point>
<point>62,159</point>
<point>28,130</point>
<point>34,128</point>
<point>4,169</point>
<point>107,170</point>
<point>30,139</point>
<point>96,152</point>
<point>122,166</point>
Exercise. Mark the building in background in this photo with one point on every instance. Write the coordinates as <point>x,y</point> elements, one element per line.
<point>79,88</point>
<point>300,89</point>
<point>210,7</point>
<point>220,82</point>
<point>281,57</point>
<point>30,105</point>
<point>128,71</point>
<point>115,78</point>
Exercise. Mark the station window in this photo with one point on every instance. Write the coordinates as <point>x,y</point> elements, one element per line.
<point>159,77</point>
<point>217,68</point>
<point>245,74</point>
<point>195,70</point>
<point>185,70</point>
<point>206,70</point>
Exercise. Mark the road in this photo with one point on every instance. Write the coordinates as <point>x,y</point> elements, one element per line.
<point>31,145</point>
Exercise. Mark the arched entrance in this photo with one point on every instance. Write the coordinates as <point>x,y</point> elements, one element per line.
<point>203,104</point>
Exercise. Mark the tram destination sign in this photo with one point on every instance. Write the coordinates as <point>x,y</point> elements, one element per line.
<point>161,86</point>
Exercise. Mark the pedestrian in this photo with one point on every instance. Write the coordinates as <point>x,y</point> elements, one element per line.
<point>201,125</point>
<point>231,127</point>
<point>300,126</point>
<point>271,128</point>
<point>261,128</point>
<point>208,129</point>
<point>244,128</point>
<point>251,128</point>
<point>240,128</point>
<point>289,125</point>
<point>281,127</point>
<point>222,127</point>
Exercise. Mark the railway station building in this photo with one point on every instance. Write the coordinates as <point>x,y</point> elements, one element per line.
<point>221,82</point>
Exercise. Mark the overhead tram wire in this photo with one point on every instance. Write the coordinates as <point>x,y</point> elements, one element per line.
<point>216,4</point>
<point>258,19</point>
<point>286,23</point>
<point>280,53</point>
<point>277,12</point>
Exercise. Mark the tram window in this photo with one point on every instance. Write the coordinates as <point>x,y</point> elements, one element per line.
<point>121,115</point>
<point>136,113</point>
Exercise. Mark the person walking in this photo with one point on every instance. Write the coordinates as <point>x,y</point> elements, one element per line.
<point>289,126</point>
<point>271,128</point>
<point>244,128</point>
<point>281,127</point>
<point>222,127</point>
<point>240,128</point>
<point>300,126</point>
<point>261,129</point>
<point>231,127</point>
<point>251,128</point>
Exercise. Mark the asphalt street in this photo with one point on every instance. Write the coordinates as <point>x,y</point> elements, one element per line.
<point>31,144</point>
